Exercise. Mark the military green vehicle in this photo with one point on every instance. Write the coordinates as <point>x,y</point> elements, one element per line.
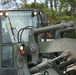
<point>22,51</point>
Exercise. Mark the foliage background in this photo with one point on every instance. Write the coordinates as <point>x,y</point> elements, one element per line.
<point>56,10</point>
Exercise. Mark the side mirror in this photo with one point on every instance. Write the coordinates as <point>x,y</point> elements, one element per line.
<point>44,18</point>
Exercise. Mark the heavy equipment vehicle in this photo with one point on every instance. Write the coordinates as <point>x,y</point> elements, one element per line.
<point>22,51</point>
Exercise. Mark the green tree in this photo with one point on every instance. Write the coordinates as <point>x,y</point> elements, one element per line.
<point>58,12</point>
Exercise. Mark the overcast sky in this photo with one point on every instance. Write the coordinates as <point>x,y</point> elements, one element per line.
<point>29,1</point>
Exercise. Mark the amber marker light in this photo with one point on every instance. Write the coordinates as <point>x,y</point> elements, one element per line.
<point>22,50</point>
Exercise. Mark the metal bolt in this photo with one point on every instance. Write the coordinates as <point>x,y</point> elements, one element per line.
<point>32,47</point>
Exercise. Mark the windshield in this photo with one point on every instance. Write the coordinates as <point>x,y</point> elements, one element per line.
<point>18,20</point>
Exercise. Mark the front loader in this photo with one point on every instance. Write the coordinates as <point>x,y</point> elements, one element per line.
<point>24,53</point>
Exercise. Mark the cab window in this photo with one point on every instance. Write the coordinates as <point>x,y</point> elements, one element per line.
<point>18,20</point>
<point>5,33</point>
<point>7,56</point>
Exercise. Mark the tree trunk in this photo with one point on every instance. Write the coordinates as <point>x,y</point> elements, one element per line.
<point>24,2</point>
<point>46,2</point>
<point>51,3</point>
<point>55,4</point>
<point>35,1</point>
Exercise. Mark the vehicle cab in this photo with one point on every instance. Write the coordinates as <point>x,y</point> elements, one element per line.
<point>11,22</point>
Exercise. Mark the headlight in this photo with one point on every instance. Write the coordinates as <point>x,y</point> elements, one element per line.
<point>35,13</point>
<point>21,47</point>
<point>6,13</point>
<point>1,13</point>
